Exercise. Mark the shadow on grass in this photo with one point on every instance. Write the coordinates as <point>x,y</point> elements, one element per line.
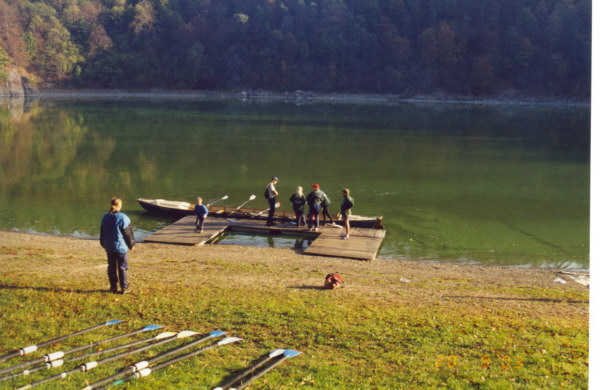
<point>308,287</point>
<point>52,289</point>
<point>517,299</point>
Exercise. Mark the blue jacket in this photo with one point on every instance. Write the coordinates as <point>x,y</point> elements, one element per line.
<point>115,233</point>
<point>200,210</point>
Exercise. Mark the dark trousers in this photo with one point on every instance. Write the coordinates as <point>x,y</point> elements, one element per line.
<point>200,223</point>
<point>313,211</point>
<point>326,214</point>
<point>117,261</point>
<point>272,202</point>
<point>300,219</point>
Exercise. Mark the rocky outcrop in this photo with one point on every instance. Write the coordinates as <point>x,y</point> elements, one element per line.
<point>17,85</point>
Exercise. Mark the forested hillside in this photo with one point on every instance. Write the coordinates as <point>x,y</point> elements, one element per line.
<point>469,47</point>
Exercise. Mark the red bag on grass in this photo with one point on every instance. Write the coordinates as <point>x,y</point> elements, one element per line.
<point>333,281</point>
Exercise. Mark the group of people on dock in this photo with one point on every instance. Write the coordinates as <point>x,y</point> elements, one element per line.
<point>317,202</point>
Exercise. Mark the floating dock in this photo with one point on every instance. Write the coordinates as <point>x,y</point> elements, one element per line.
<point>363,243</point>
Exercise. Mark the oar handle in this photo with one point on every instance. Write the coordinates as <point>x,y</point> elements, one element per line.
<point>143,368</point>
<point>11,355</point>
<point>33,348</point>
<point>139,365</point>
<point>22,365</point>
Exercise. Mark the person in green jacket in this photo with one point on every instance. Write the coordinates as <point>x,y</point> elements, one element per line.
<point>347,204</point>
<point>325,208</point>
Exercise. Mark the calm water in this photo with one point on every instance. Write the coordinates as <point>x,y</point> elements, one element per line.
<point>506,184</point>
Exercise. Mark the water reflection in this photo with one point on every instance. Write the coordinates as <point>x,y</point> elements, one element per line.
<point>502,184</point>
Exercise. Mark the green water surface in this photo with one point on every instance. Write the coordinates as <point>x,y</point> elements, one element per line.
<point>503,184</point>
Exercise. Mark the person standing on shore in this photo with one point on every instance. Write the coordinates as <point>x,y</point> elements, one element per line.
<point>347,204</point>
<point>116,237</point>
<point>298,201</point>
<point>314,200</point>
<point>271,195</point>
<point>201,213</point>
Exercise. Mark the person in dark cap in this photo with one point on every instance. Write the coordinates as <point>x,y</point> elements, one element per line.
<point>314,200</point>
<point>271,195</point>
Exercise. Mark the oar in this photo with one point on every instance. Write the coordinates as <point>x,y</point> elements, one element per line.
<point>60,354</point>
<point>160,336</point>
<point>92,364</point>
<point>251,369</point>
<point>277,205</point>
<point>33,348</point>
<point>210,203</point>
<point>55,356</point>
<point>289,353</point>
<point>252,197</point>
<point>144,365</point>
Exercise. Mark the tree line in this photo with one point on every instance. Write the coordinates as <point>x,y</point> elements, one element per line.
<point>467,47</point>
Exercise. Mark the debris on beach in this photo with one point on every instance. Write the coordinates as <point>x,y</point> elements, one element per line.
<point>581,278</point>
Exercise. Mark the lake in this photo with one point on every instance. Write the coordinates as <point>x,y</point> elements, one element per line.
<point>470,183</point>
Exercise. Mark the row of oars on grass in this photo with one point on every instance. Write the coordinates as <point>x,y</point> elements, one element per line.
<point>139,369</point>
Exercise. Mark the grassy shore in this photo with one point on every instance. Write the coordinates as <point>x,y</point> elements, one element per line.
<point>396,324</point>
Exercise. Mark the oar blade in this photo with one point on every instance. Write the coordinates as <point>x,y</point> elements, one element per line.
<point>149,328</point>
<point>290,353</point>
<point>276,352</point>
<point>229,340</point>
<point>217,333</point>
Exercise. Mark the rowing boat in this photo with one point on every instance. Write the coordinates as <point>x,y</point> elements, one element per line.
<point>178,209</point>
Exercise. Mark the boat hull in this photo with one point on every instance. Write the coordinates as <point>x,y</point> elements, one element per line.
<point>174,209</point>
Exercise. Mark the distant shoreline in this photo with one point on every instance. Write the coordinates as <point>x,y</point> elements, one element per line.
<point>305,97</point>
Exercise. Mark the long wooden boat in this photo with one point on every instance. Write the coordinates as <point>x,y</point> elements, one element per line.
<point>177,209</point>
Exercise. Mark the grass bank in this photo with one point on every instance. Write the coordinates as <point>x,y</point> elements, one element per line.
<point>455,326</point>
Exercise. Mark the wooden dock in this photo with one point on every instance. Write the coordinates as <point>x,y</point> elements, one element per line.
<point>363,243</point>
<point>182,232</point>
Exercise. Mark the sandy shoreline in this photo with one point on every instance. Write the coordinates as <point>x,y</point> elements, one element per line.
<point>414,271</point>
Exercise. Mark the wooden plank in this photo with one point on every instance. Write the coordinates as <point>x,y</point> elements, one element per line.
<point>183,231</point>
<point>362,244</point>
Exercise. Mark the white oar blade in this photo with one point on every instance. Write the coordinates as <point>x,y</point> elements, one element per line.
<point>252,197</point>
<point>276,352</point>
<point>229,340</point>
<point>225,197</point>
<point>186,333</point>
<point>165,335</point>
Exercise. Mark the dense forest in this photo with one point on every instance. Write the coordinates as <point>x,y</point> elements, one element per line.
<point>467,47</point>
